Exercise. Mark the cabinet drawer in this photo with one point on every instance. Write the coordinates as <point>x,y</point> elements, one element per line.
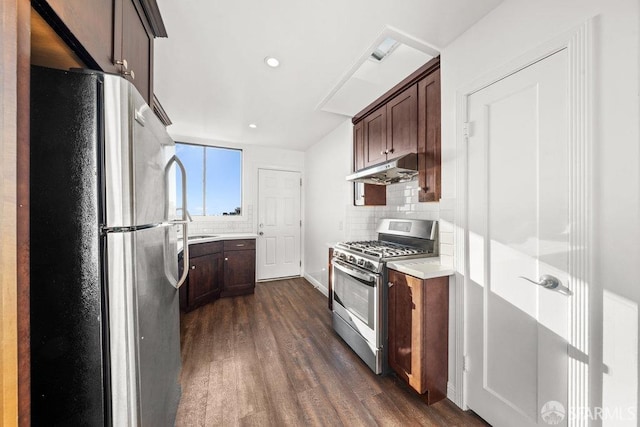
<point>239,245</point>
<point>199,249</point>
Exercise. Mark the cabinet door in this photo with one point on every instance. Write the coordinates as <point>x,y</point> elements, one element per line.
<point>134,43</point>
<point>358,146</point>
<point>239,272</point>
<point>375,137</point>
<point>402,123</point>
<point>205,279</point>
<point>91,23</point>
<point>429,137</point>
<point>405,328</point>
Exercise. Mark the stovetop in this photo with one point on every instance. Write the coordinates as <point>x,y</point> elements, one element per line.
<point>397,239</point>
<point>381,249</point>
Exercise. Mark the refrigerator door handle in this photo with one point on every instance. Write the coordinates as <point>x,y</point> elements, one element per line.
<point>184,221</point>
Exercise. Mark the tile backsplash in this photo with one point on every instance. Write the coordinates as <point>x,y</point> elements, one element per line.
<point>402,202</point>
<point>204,225</point>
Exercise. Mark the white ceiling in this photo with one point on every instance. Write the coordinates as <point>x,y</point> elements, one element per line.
<point>211,78</point>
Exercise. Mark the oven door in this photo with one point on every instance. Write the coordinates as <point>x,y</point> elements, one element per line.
<point>356,298</point>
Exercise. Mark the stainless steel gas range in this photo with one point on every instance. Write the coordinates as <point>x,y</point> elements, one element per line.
<point>359,277</point>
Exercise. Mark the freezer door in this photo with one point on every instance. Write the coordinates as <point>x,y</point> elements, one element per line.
<point>145,330</point>
<point>137,150</point>
<point>67,345</point>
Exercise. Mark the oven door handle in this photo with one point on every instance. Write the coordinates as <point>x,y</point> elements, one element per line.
<point>365,276</point>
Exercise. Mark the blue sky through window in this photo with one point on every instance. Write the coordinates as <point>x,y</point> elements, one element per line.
<point>214,179</point>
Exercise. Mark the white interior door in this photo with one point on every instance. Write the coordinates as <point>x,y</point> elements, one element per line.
<point>278,224</point>
<point>518,213</point>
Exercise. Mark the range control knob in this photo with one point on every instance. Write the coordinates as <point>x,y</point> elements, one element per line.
<point>352,258</point>
<point>368,265</point>
<point>360,261</point>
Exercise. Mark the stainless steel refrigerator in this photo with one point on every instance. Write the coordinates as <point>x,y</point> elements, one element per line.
<point>105,336</point>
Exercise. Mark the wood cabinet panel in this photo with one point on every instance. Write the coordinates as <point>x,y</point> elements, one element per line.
<point>401,321</point>
<point>418,318</point>
<point>239,272</point>
<point>369,194</point>
<point>137,48</point>
<point>204,279</point>
<point>358,146</point>
<point>218,269</point>
<point>429,156</point>
<point>330,280</point>
<point>402,123</point>
<point>239,245</point>
<point>206,248</point>
<point>89,22</point>
<point>375,137</point>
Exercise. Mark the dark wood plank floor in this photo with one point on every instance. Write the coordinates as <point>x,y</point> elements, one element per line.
<point>272,358</point>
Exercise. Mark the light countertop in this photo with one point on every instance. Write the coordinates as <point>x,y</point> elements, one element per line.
<point>204,238</point>
<point>422,268</point>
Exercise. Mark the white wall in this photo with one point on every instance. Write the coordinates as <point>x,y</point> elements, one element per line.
<point>254,157</point>
<point>326,195</point>
<point>517,26</point>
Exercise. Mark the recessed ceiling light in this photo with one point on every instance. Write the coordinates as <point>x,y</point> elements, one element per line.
<point>271,61</point>
<point>253,125</point>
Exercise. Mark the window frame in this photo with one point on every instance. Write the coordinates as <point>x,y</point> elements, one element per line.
<point>223,218</point>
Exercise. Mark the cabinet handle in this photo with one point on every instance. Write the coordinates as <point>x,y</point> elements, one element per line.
<point>382,153</point>
<point>122,62</point>
<point>226,259</point>
<point>391,151</point>
<point>130,74</point>
<point>193,267</point>
<point>239,245</point>
<point>390,284</point>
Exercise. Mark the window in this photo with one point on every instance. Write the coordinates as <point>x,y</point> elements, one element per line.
<point>214,179</point>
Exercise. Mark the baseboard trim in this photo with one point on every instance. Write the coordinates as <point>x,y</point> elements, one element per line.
<point>318,285</point>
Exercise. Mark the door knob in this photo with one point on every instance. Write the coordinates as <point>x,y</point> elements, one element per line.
<point>261,233</point>
<point>550,282</point>
<point>193,267</point>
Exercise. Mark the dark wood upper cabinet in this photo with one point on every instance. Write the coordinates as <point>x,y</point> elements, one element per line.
<point>136,47</point>
<point>366,194</point>
<point>404,120</point>
<point>104,32</point>
<point>375,137</point>
<point>429,157</point>
<point>358,146</point>
<point>418,318</point>
<point>402,123</point>
<point>86,26</point>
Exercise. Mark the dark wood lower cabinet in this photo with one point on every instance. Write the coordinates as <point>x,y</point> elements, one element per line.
<point>218,269</point>
<point>239,267</point>
<point>204,279</point>
<point>418,333</point>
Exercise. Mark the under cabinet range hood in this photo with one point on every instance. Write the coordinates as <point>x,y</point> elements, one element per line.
<point>400,169</point>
